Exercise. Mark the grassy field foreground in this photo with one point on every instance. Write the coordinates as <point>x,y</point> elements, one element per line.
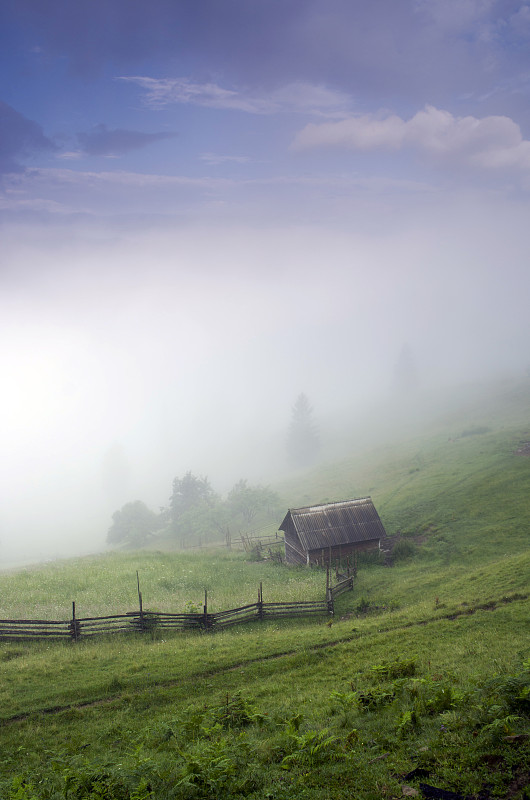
<point>379,701</point>
<point>422,679</point>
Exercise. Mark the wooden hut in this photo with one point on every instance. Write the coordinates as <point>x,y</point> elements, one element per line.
<point>325,533</point>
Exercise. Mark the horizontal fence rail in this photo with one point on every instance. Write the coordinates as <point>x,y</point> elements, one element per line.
<point>142,621</point>
<point>34,628</point>
<point>345,585</point>
<point>293,609</point>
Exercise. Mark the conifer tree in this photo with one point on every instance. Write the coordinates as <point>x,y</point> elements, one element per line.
<point>303,441</point>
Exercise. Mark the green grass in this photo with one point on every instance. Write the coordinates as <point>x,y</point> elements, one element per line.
<point>422,677</point>
<point>168,581</point>
<point>118,705</point>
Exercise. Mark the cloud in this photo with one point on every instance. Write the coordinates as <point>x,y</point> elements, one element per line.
<point>298,97</point>
<point>68,191</point>
<point>216,158</point>
<point>415,50</point>
<point>459,15</point>
<point>490,143</point>
<point>121,178</point>
<point>520,21</point>
<point>101,141</point>
<point>20,138</point>
<point>64,192</point>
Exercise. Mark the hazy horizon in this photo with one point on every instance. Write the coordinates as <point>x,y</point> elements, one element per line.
<point>205,211</point>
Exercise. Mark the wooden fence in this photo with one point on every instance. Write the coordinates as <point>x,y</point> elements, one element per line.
<point>141,621</point>
<point>345,584</point>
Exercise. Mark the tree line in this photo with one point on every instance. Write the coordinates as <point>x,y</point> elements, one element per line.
<point>196,514</point>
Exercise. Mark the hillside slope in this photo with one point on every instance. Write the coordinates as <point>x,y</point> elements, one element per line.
<point>420,684</point>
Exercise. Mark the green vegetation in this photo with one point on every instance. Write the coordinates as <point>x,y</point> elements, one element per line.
<point>169,582</point>
<point>196,515</point>
<point>423,677</point>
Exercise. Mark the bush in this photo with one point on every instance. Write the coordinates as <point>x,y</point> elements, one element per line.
<point>255,554</point>
<point>399,668</point>
<point>236,712</point>
<point>475,430</point>
<point>404,549</point>
<point>370,558</point>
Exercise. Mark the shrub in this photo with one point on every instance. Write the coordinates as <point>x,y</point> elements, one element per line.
<point>236,712</point>
<point>255,554</point>
<point>371,699</point>
<point>370,558</point>
<point>404,549</point>
<point>509,692</point>
<point>475,430</point>
<point>208,771</point>
<point>363,606</point>
<point>363,700</point>
<point>399,668</point>
<point>433,697</point>
<point>407,722</point>
<point>309,748</point>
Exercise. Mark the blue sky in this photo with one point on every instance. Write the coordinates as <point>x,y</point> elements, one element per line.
<point>207,207</point>
<point>228,94</point>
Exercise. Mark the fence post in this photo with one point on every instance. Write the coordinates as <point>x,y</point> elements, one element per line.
<point>74,625</point>
<point>142,626</point>
<point>260,601</point>
<point>140,602</point>
<point>329,593</point>
<point>329,601</point>
<point>205,610</point>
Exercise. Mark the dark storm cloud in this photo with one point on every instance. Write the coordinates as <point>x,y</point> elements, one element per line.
<point>101,141</point>
<point>20,138</point>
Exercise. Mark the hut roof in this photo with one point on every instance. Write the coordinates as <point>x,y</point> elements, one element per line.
<point>333,524</point>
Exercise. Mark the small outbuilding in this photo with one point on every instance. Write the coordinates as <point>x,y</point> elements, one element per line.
<point>324,533</point>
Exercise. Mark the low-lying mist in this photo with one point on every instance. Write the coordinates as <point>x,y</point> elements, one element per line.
<point>130,360</point>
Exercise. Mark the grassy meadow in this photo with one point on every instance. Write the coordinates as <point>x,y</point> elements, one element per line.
<point>168,581</point>
<point>421,679</point>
